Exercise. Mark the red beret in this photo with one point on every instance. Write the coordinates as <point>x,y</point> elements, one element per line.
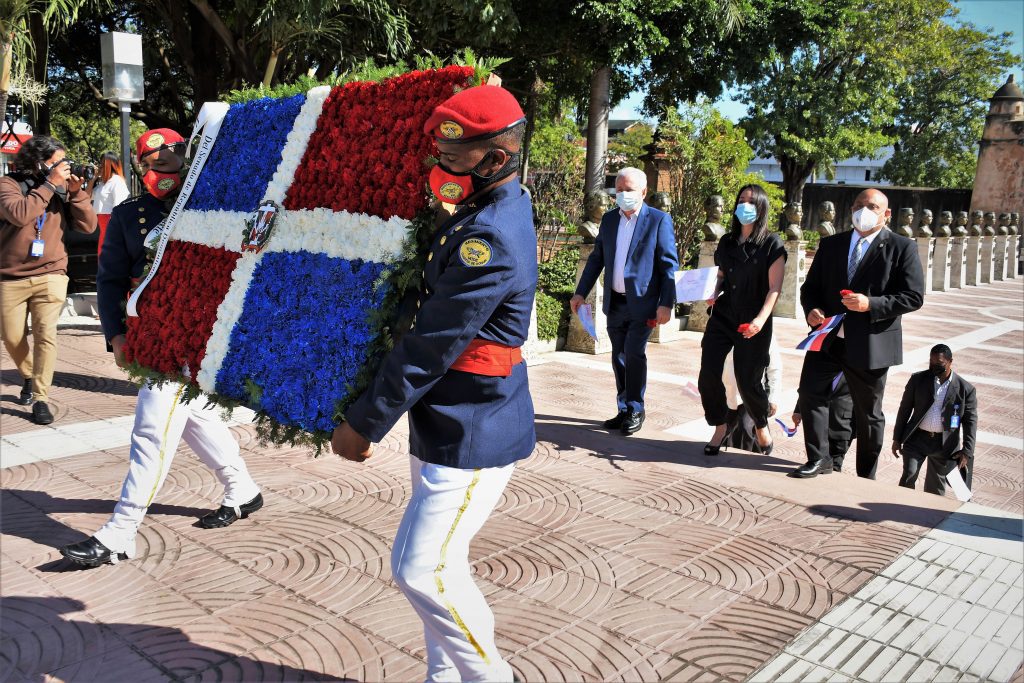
<point>153,140</point>
<point>474,114</point>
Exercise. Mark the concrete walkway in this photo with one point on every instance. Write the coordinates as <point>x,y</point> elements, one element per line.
<point>609,558</point>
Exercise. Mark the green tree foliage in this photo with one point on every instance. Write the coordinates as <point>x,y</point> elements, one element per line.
<point>198,51</point>
<point>943,106</point>
<point>629,147</point>
<point>17,49</point>
<point>835,96</point>
<point>706,155</point>
<point>556,176</point>
<point>88,137</point>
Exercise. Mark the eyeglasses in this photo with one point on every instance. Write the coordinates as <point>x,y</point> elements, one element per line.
<point>171,146</point>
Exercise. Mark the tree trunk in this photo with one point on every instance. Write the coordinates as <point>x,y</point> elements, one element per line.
<point>597,128</point>
<point>531,119</point>
<point>6,52</point>
<point>268,74</point>
<point>41,40</point>
<point>794,177</point>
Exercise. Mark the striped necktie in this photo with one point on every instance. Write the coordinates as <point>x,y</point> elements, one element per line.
<point>858,254</point>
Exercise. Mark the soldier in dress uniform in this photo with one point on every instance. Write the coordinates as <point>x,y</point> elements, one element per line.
<point>161,421</point>
<point>460,375</point>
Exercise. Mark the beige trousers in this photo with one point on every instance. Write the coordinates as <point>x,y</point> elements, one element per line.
<point>43,296</point>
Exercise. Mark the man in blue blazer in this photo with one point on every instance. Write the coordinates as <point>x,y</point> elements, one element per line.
<point>636,247</point>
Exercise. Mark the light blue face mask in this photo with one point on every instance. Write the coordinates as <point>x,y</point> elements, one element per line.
<point>746,213</point>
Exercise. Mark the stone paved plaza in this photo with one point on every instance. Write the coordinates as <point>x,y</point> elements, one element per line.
<point>609,558</point>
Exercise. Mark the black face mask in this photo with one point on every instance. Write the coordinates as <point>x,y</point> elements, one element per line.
<point>937,369</point>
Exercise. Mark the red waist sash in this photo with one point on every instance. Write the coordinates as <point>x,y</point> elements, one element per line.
<point>483,357</point>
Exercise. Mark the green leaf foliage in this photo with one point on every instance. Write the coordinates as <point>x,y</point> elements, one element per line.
<point>943,104</point>
<point>836,94</point>
<point>706,154</point>
<point>629,147</point>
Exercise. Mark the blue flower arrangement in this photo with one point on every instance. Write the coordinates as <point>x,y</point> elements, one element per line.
<point>246,154</point>
<point>319,322</point>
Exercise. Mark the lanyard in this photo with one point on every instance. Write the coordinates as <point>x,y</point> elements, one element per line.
<point>39,226</point>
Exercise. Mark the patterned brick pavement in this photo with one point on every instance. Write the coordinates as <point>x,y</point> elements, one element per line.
<point>609,558</point>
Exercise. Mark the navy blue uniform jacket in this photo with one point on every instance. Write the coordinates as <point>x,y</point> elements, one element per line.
<point>460,419</point>
<point>889,275</point>
<point>650,264</point>
<point>123,257</point>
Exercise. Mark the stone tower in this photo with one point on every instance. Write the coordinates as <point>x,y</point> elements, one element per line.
<point>999,180</point>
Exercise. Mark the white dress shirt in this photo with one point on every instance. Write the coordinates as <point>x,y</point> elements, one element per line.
<point>627,225</point>
<point>854,238</point>
<point>932,420</point>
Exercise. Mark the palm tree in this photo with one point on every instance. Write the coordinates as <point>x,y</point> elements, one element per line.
<point>16,47</point>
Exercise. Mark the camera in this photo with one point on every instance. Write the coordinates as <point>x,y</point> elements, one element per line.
<point>83,171</point>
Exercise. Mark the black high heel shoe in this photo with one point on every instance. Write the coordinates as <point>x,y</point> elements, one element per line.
<point>714,450</point>
<point>765,450</point>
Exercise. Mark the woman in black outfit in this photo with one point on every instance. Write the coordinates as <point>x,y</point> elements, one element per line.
<point>750,262</point>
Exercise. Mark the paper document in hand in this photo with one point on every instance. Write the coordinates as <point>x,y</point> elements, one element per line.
<point>696,285</point>
<point>586,315</point>
<point>956,482</point>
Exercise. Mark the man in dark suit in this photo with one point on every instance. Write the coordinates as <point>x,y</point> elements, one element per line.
<point>937,420</point>
<point>636,248</point>
<point>873,276</point>
<point>841,431</point>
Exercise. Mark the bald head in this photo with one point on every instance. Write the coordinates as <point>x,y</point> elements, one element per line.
<point>875,202</point>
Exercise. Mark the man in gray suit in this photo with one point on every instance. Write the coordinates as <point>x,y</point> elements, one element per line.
<point>937,420</point>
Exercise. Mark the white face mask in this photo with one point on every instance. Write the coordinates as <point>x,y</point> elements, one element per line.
<point>864,220</point>
<point>628,200</point>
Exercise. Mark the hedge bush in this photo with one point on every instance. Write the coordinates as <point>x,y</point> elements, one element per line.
<point>556,282</point>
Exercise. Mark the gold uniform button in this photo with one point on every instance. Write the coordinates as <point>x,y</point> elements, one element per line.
<point>457,229</point>
<point>142,220</point>
<point>418,303</point>
<point>142,232</point>
<point>444,238</point>
<point>141,209</point>
<point>430,256</point>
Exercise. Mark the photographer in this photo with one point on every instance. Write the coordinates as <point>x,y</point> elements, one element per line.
<point>37,203</point>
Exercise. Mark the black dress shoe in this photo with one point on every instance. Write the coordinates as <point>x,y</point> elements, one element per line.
<point>225,516</point>
<point>91,553</point>
<point>632,423</point>
<point>616,422</point>
<point>41,414</point>
<point>811,469</point>
<point>25,398</point>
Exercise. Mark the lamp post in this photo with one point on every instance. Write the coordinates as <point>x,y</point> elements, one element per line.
<point>121,55</point>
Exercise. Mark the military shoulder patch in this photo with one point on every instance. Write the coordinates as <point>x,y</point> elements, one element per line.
<point>475,252</point>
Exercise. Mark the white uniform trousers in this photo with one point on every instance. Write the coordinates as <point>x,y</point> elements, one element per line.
<point>430,563</point>
<point>161,421</point>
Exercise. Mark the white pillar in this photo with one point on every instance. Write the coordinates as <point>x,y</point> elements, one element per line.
<point>788,305</point>
<point>957,262</point>
<point>940,264</point>
<point>973,265</point>
<point>987,254</point>
<point>579,340</point>
<point>999,259</point>
<point>925,251</point>
<point>698,309</point>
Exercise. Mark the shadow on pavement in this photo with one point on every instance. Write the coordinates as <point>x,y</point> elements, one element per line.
<point>566,434</point>
<point>35,524</point>
<point>81,649</point>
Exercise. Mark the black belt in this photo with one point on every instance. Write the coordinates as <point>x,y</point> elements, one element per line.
<point>930,435</point>
<point>618,298</point>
